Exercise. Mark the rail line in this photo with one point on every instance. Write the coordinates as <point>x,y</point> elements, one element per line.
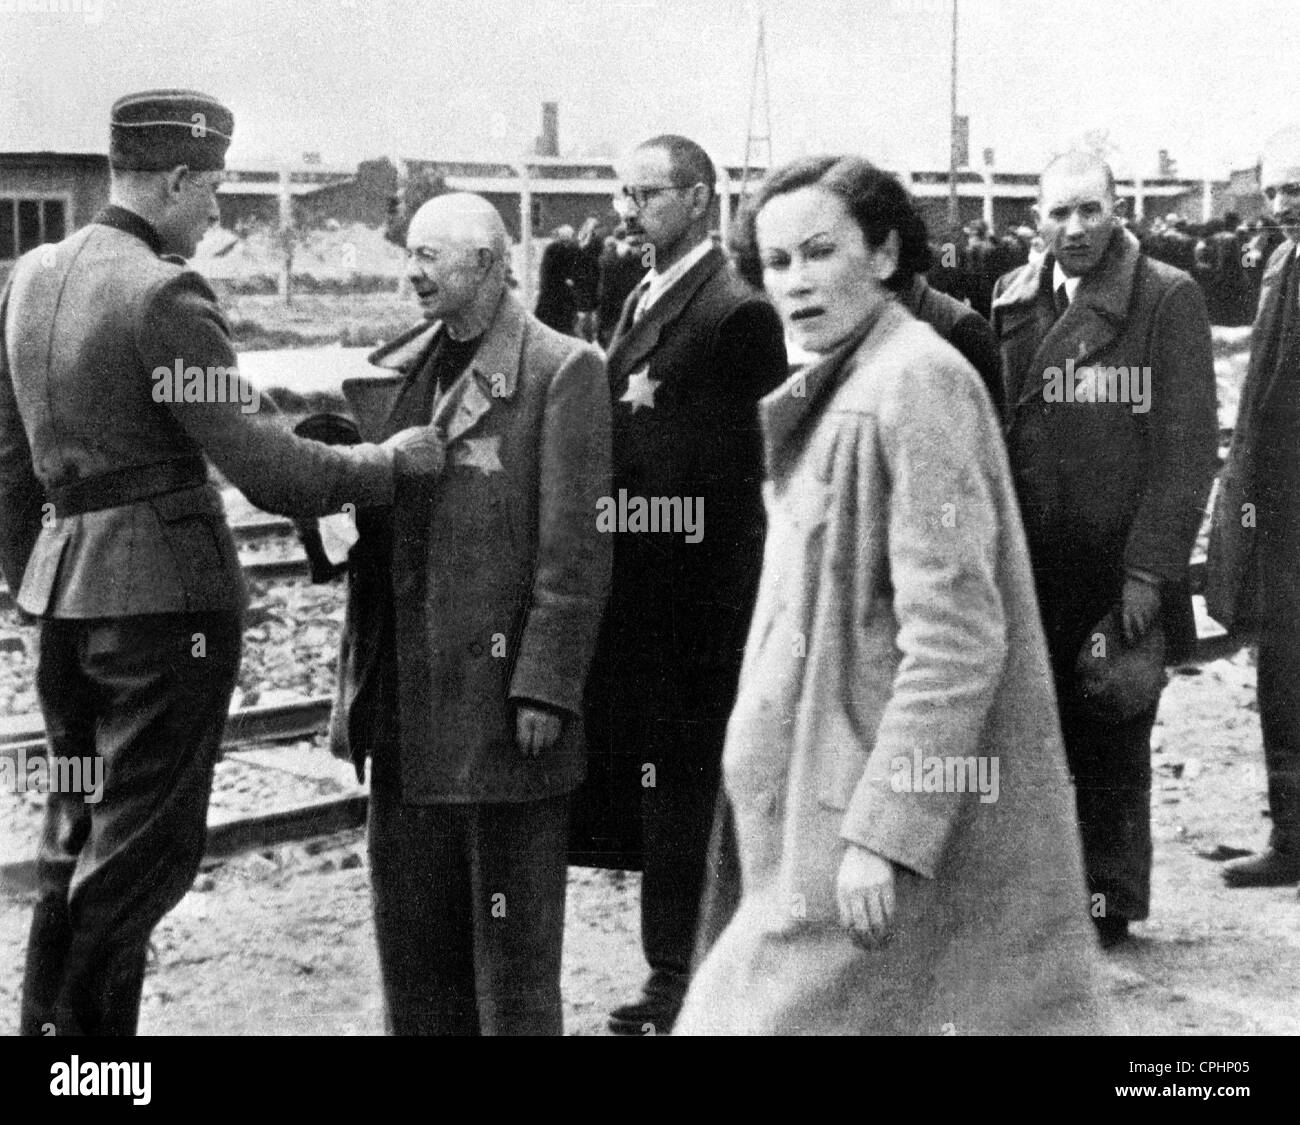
<point>269,724</point>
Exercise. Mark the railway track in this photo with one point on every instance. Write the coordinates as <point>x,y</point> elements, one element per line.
<point>269,725</point>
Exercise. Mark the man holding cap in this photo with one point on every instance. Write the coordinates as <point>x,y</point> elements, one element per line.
<point>111,533</point>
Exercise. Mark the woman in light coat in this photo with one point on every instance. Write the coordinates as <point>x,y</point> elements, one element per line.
<point>908,847</point>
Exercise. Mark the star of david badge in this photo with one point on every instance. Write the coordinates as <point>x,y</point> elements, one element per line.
<point>641,390</point>
<point>482,453</point>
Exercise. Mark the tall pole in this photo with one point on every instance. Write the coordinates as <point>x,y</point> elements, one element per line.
<point>954,213</point>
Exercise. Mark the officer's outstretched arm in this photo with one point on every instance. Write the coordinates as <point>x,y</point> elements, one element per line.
<point>183,331</point>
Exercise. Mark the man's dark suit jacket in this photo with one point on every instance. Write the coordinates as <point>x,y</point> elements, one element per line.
<point>684,383</point>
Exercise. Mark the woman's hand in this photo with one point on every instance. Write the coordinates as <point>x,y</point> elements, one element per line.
<point>864,890</point>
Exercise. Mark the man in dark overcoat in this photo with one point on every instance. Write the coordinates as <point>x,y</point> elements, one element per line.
<point>693,352</point>
<point>117,376</point>
<point>469,635</point>
<point>1112,436</point>
<point>1254,559</point>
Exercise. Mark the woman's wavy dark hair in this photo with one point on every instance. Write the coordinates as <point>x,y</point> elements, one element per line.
<point>874,198</point>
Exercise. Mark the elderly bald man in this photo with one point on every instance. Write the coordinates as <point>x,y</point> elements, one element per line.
<point>471,622</point>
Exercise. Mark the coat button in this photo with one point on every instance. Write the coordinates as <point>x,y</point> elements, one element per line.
<point>476,649</point>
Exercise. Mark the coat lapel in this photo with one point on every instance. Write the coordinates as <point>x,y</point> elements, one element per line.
<point>1266,336</point>
<point>373,397</point>
<point>493,375</point>
<point>1093,320</point>
<point>784,412</point>
<point>630,348</point>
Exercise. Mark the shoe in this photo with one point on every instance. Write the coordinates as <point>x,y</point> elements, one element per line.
<point>655,1012</point>
<point>1273,868</point>
<point>1111,931</point>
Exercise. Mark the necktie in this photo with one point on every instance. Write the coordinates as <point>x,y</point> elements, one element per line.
<point>640,309</point>
<point>1062,299</point>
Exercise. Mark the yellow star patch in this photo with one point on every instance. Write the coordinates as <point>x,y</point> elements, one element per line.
<point>641,390</point>
<point>483,454</point>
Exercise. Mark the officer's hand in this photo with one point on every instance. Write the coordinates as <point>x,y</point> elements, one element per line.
<point>536,729</point>
<point>420,449</point>
<point>864,890</point>
<point>1140,604</point>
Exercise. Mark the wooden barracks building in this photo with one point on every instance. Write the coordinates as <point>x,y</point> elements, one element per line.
<point>43,195</point>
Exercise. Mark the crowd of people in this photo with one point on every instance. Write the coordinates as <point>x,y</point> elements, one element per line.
<point>837,604</point>
<point>585,277</point>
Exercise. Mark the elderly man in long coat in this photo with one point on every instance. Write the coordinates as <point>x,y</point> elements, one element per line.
<point>469,635</point>
<point>1113,437</point>
<point>1254,565</point>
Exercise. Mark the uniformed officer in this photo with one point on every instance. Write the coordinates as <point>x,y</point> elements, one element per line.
<point>112,534</point>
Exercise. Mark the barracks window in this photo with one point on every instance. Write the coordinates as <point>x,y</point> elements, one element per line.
<point>26,222</point>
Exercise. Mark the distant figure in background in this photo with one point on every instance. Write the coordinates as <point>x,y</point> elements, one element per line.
<point>622,266</point>
<point>947,273</point>
<point>586,277</point>
<point>556,306</point>
<point>963,328</point>
<point>1254,559</point>
<point>979,260</point>
<point>1226,280</point>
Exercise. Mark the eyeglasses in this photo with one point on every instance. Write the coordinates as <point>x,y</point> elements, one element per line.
<point>642,196</point>
<point>1282,189</point>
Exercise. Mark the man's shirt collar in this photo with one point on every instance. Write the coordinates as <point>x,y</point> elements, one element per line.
<point>1059,278</point>
<point>660,283</point>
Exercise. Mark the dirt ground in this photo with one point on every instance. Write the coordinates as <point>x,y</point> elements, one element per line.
<point>280,942</point>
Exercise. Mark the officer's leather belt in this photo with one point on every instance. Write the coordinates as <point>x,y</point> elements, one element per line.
<point>126,486</point>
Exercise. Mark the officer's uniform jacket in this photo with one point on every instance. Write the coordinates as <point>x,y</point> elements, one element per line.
<point>85,326</point>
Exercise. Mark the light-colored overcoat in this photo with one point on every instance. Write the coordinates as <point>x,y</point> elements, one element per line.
<point>896,626</point>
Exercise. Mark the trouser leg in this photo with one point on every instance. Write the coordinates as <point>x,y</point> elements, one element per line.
<point>519,876</point>
<point>65,829</point>
<point>677,815</point>
<point>1279,676</point>
<point>722,883</point>
<point>420,884</point>
<point>1111,765</point>
<point>145,698</point>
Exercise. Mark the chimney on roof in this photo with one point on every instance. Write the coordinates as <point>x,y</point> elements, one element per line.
<point>548,144</point>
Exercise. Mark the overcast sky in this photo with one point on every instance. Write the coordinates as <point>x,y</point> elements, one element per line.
<point>351,79</point>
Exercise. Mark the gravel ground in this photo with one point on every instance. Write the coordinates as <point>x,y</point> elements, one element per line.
<point>280,941</point>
